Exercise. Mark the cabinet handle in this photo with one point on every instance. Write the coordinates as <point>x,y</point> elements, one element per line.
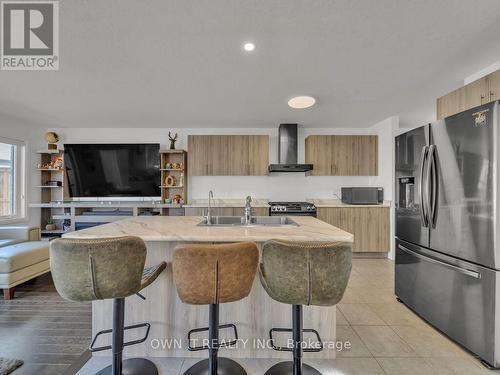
<point>482,98</point>
<point>492,95</point>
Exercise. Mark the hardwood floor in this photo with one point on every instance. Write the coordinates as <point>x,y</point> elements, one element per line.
<point>47,332</point>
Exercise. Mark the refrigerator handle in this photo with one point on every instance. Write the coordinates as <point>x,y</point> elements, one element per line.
<point>423,205</point>
<point>464,271</point>
<point>433,181</point>
<point>428,185</point>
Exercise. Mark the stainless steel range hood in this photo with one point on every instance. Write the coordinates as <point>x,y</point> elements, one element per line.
<point>287,151</point>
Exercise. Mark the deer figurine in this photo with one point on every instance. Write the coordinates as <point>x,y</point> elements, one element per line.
<point>172,140</point>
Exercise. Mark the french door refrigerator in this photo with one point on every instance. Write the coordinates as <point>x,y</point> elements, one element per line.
<point>447,217</point>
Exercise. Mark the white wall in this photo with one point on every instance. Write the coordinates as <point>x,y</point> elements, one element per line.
<point>388,129</point>
<point>21,130</point>
<point>276,186</point>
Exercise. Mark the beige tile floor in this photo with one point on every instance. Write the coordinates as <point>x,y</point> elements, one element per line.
<point>386,337</point>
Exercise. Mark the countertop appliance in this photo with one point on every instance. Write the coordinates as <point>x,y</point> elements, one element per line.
<point>447,215</point>
<point>287,151</point>
<point>292,209</point>
<point>362,195</point>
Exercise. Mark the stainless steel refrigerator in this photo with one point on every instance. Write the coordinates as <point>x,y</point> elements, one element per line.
<point>447,217</point>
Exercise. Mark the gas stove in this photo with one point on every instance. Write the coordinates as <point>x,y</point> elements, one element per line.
<point>292,209</point>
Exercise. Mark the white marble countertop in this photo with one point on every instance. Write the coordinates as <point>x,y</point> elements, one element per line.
<point>338,203</point>
<point>184,228</point>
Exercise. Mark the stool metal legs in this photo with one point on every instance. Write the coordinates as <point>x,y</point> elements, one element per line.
<point>133,366</point>
<point>117,340</point>
<point>297,339</point>
<point>295,367</point>
<point>215,365</point>
<point>213,334</point>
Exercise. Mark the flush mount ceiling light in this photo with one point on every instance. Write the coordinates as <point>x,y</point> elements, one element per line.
<point>249,47</point>
<point>301,102</point>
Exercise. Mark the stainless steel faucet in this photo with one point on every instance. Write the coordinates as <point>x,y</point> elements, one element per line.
<point>248,211</point>
<point>208,217</point>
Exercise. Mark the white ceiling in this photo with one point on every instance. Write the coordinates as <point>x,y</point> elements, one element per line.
<point>163,63</point>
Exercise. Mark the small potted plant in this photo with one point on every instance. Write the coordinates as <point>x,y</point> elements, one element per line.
<point>50,224</point>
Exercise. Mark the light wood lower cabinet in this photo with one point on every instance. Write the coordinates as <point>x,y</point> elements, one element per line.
<point>226,211</point>
<point>369,225</point>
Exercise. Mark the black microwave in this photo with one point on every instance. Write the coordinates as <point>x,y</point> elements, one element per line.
<point>362,195</point>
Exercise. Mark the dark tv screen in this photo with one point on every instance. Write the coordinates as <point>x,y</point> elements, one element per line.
<point>112,170</point>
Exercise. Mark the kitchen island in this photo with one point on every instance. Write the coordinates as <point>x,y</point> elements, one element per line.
<point>171,319</point>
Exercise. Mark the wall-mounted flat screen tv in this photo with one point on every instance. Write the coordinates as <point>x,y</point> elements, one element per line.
<point>113,170</point>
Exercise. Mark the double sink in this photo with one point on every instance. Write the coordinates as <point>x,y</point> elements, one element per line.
<point>255,221</point>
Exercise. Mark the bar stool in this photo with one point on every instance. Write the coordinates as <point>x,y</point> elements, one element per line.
<point>312,274</point>
<point>111,268</point>
<point>207,274</point>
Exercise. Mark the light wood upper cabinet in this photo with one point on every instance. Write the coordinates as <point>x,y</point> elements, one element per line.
<point>228,155</point>
<point>450,104</point>
<point>342,155</point>
<point>476,93</point>
<point>369,225</point>
<point>494,86</point>
<point>482,91</point>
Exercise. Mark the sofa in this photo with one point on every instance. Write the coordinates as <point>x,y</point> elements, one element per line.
<point>23,256</point>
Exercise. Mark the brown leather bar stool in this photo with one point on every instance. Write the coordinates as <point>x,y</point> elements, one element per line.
<point>111,268</point>
<point>312,274</point>
<point>207,274</point>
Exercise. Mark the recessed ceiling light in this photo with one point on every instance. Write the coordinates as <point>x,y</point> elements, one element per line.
<point>249,47</point>
<point>301,102</point>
